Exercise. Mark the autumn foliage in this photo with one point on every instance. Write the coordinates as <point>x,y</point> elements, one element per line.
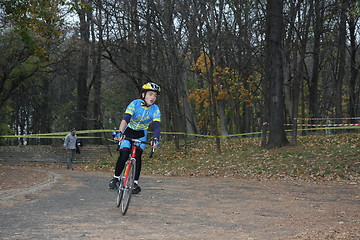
<point>229,86</point>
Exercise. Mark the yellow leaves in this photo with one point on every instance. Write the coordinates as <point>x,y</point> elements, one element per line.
<point>199,96</point>
<point>221,95</point>
<point>228,86</point>
<point>202,64</point>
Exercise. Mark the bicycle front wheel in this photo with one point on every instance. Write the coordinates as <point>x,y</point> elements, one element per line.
<point>120,192</point>
<point>126,196</point>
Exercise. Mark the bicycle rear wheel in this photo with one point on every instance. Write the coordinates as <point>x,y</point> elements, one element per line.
<point>126,196</point>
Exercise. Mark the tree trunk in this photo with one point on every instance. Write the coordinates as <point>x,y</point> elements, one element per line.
<point>96,53</point>
<point>212,54</point>
<point>298,63</point>
<point>353,93</point>
<point>223,118</point>
<point>342,51</point>
<point>274,37</point>
<point>191,126</point>
<point>82,91</point>
<point>314,82</point>
<point>45,122</point>
<point>237,117</point>
<point>213,106</point>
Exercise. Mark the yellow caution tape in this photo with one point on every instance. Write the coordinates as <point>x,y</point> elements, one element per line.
<point>61,135</point>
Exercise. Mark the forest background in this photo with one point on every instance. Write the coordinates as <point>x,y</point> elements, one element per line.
<point>225,67</point>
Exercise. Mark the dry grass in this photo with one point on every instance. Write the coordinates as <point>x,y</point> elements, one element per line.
<point>317,157</point>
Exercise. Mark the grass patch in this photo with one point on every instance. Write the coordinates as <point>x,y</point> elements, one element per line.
<point>318,157</point>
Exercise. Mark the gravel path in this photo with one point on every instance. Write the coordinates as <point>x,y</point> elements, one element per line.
<point>75,204</point>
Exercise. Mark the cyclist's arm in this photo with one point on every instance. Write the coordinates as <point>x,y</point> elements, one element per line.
<point>156,130</point>
<point>122,126</point>
<point>156,123</point>
<point>124,122</point>
<point>155,141</point>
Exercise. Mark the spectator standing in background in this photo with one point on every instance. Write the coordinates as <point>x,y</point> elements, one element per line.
<point>70,146</point>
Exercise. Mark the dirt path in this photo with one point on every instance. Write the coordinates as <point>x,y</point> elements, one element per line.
<point>62,204</point>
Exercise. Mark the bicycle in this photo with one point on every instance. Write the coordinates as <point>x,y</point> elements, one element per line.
<point>126,184</point>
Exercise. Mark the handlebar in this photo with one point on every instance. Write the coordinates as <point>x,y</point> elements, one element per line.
<point>143,142</point>
<point>136,140</point>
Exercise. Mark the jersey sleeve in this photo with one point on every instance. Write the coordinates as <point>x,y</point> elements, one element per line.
<point>157,115</point>
<point>126,117</point>
<point>130,109</point>
<point>157,130</point>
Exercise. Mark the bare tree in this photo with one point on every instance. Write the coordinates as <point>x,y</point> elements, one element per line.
<point>339,81</point>
<point>354,85</point>
<point>96,48</point>
<point>295,53</point>
<point>82,81</point>
<point>314,82</point>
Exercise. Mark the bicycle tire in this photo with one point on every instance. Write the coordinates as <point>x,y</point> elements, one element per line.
<point>120,193</point>
<point>126,196</point>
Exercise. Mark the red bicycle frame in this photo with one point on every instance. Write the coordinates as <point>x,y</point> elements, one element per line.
<point>132,157</point>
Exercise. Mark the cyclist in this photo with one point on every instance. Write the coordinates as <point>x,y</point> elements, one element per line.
<point>138,115</point>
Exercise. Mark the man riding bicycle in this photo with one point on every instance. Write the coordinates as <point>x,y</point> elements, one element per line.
<point>139,114</point>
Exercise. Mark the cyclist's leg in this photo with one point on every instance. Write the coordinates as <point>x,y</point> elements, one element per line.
<point>137,188</point>
<point>139,152</point>
<point>124,155</point>
<point>138,156</point>
<point>115,181</point>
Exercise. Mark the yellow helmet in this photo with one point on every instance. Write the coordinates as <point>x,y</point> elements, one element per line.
<point>151,87</point>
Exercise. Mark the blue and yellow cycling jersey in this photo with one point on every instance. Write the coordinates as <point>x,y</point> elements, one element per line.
<point>142,116</point>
